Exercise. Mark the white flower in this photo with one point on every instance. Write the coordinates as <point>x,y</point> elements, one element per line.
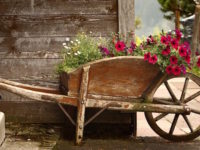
<point>67,39</point>
<point>78,52</point>
<point>75,54</point>
<point>68,53</point>
<point>64,44</point>
<point>72,42</point>
<point>78,42</point>
<point>90,32</point>
<point>66,47</point>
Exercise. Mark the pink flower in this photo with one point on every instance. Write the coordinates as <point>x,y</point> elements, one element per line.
<point>104,50</point>
<point>187,59</point>
<point>130,51</point>
<point>169,38</point>
<point>183,69</point>
<point>153,59</point>
<point>120,46</point>
<point>178,34</point>
<point>173,60</point>
<point>198,62</point>
<point>147,56</point>
<point>176,71</point>
<point>174,43</point>
<point>166,51</point>
<point>133,45</point>
<point>169,69</point>
<point>164,40</point>
<point>182,51</point>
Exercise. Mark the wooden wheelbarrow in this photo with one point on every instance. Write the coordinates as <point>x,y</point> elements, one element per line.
<point>124,83</point>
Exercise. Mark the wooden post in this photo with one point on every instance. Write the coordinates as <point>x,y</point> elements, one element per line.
<point>126,17</point>
<point>195,31</point>
<point>81,105</point>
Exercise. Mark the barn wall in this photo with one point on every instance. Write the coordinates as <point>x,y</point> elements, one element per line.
<point>31,37</point>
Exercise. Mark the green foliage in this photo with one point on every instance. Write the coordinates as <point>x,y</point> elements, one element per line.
<point>195,70</point>
<point>186,8</point>
<point>79,51</point>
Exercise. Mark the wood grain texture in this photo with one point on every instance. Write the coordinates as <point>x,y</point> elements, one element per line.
<point>38,7</point>
<point>56,25</point>
<point>120,76</point>
<point>26,69</point>
<point>126,17</point>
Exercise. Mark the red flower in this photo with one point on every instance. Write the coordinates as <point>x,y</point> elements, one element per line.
<point>187,59</point>
<point>169,69</point>
<point>169,38</point>
<point>176,71</point>
<point>178,34</point>
<point>182,51</point>
<point>164,40</point>
<point>147,56</point>
<point>173,60</point>
<point>174,43</point>
<point>198,62</point>
<point>166,51</point>
<point>153,59</point>
<point>120,46</point>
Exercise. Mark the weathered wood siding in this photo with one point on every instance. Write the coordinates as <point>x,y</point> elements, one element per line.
<point>31,37</point>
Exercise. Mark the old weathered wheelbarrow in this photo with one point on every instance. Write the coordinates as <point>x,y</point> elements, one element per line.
<point>125,83</point>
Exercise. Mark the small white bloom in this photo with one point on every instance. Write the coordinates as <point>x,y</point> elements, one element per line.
<point>66,47</point>
<point>64,44</point>
<point>78,42</point>
<point>90,32</point>
<point>72,42</point>
<point>75,54</point>
<point>67,39</point>
<point>78,52</point>
<point>68,53</point>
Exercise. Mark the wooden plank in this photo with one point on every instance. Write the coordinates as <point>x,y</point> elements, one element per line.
<point>28,55</point>
<point>37,7</point>
<point>195,35</point>
<point>40,112</point>
<point>122,76</point>
<point>56,25</point>
<point>15,46</point>
<point>29,69</point>
<point>126,16</point>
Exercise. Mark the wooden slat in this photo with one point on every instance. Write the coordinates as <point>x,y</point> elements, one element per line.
<point>56,25</point>
<point>21,7</point>
<point>126,16</point>
<point>39,45</point>
<point>26,69</point>
<point>28,55</point>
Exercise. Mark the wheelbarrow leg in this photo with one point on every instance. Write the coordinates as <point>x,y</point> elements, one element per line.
<point>80,123</point>
<point>133,127</point>
<point>82,105</point>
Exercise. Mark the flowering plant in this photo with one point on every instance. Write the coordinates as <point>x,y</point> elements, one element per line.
<point>167,50</point>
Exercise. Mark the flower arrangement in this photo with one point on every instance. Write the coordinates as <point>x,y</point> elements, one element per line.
<point>172,55</point>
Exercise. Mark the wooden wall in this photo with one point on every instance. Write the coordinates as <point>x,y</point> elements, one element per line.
<point>31,37</point>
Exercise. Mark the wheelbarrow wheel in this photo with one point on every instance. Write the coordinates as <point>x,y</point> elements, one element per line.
<point>183,90</point>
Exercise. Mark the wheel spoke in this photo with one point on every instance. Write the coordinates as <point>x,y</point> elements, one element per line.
<point>170,91</point>
<point>184,90</point>
<point>188,122</point>
<point>192,97</point>
<point>173,124</point>
<point>157,118</point>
